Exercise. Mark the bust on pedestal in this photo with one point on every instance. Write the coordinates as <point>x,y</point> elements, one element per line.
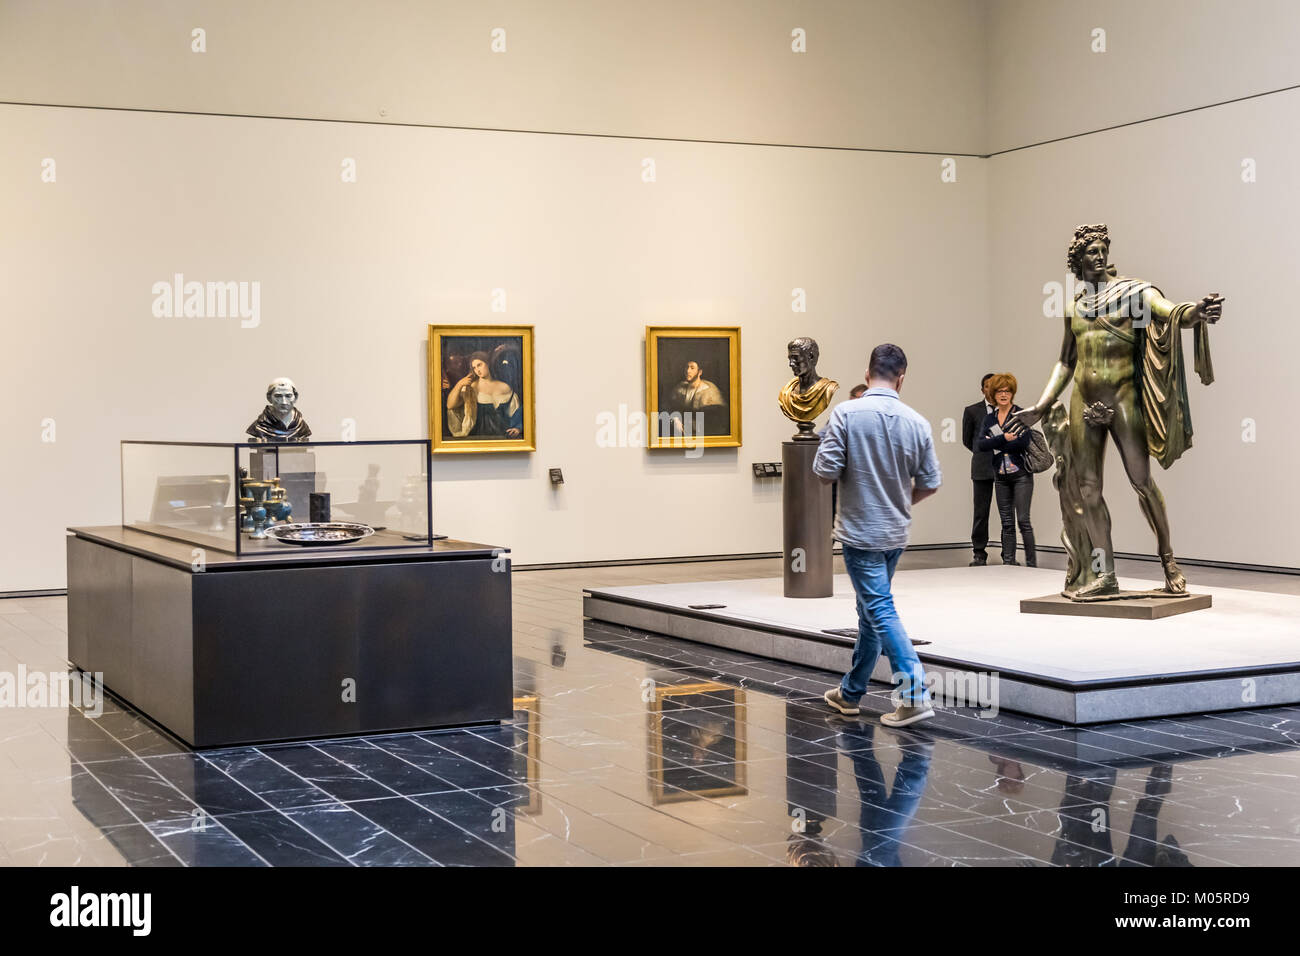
<point>806,501</point>
<point>282,423</point>
<point>806,395</point>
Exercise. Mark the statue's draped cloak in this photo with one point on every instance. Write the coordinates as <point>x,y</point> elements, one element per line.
<point>1158,358</point>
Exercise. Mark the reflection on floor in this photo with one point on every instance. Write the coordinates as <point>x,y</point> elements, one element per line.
<point>632,749</point>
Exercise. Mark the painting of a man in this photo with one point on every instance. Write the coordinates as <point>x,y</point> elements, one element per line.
<point>693,385</point>
<point>696,393</point>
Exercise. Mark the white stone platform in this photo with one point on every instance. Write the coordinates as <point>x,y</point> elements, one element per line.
<point>1243,652</point>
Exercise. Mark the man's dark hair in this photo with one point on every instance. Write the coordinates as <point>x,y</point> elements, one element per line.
<point>887,362</point>
<point>858,391</point>
<point>985,379</point>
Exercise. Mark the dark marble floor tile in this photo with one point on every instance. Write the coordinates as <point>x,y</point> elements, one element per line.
<point>357,839</point>
<point>205,842</point>
<point>490,820</point>
<point>206,785</point>
<point>982,843</point>
<point>324,772</point>
<point>141,790</point>
<point>279,840</point>
<point>278,786</point>
<point>137,734</point>
<point>392,771</point>
<point>436,837</point>
<point>488,753</point>
<point>87,741</point>
<point>1091,836</point>
<point>1212,730</point>
<point>139,847</point>
<point>799,851</point>
<point>95,803</point>
<point>459,772</point>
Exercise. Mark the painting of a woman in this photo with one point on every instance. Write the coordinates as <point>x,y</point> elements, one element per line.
<point>481,405</point>
<point>481,388</point>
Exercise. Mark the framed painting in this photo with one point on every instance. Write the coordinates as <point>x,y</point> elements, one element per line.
<point>692,387</point>
<point>481,388</point>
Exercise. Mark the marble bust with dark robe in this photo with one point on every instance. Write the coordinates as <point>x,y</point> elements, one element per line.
<point>280,421</point>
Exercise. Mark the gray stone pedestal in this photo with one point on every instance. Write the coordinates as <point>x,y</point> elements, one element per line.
<point>807,518</point>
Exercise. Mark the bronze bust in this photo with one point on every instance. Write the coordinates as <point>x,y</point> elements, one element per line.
<point>280,420</point>
<point>806,395</point>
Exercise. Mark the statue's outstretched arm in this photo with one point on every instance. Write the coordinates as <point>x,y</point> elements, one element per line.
<point>1207,310</point>
<point>1062,372</point>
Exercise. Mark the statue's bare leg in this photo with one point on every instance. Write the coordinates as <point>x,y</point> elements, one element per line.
<point>1130,434</point>
<point>1088,458</point>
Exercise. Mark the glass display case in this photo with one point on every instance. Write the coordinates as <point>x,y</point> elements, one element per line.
<point>243,497</point>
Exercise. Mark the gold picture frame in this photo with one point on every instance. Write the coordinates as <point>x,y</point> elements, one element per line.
<point>528,718</point>
<point>703,752</point>
<point>506,354</point>
<point>686,412</point>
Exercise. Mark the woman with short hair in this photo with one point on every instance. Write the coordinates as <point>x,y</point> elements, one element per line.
<point>1013,482</point>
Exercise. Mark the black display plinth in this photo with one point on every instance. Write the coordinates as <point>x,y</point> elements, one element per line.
<point>290,643</point>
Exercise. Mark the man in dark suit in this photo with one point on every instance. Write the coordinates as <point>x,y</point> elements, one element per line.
<point>981,473</point>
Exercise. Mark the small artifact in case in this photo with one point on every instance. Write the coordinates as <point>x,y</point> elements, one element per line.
<point>319,506</point>
<point>320,532</point>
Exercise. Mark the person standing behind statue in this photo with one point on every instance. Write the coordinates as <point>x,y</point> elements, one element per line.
<point>882,454</point>
<point>1013,481</point>
<point>981,472</point>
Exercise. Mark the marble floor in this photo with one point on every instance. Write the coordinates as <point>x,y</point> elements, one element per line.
<point>636,750</point>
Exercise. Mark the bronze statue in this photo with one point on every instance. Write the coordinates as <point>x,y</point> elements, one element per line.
<point>806,395</point>
<point>280,420</point>
<point>1124,338</point>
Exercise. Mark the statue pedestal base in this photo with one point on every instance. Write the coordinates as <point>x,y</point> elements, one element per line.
<point>1128,604</point>
<point>807,559</point>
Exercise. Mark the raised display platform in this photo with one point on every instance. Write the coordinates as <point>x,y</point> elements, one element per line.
<point>1244,652</point>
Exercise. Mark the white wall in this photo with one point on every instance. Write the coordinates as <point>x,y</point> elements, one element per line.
<point>876,73</point>
<point>351,275</point>
<point>1180,216</point>
<point>1161,56</point>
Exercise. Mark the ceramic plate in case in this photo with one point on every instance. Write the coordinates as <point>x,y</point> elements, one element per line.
<point>319,532</point>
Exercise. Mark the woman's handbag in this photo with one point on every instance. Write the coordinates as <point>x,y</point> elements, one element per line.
<point>1038,457</point>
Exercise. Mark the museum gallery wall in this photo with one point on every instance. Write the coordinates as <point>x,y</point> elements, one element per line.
<point>352,276</point>
<point>585,242</point>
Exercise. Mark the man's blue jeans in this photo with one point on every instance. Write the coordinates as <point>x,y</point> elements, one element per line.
<point>879,628</point>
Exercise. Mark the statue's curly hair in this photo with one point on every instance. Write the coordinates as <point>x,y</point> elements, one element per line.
<point>1083,236</point>
<point>805,344</point>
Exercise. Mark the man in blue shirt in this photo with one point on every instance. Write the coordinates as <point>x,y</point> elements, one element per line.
<point>881,453</point>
